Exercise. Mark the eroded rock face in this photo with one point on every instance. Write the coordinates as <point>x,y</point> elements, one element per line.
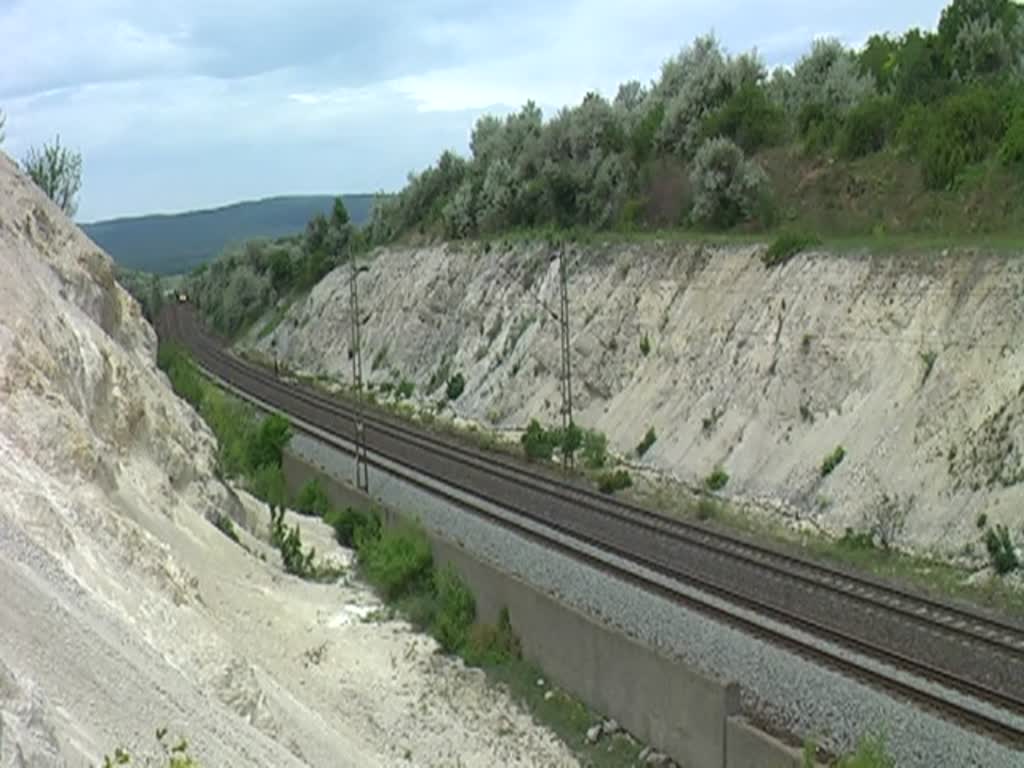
<point>123,610</point>
<point>913,363</point>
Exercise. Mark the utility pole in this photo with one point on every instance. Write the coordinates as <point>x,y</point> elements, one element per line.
<point>563,322</point>
<point>355,352</point>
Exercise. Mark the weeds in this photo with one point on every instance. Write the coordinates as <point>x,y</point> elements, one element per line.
<point>786,246</point>
<point>595,449</point>
<point>610,482</point>
<point>645,345</point>
<point>312,500</point>
<point>647,443</point>
<point>982,521</point>
<point>456,610</point>
<point>398,562</point>
<point>353,527</point>
<point>832,461</point>
<point>888,519</point>
<point>717,480</point>
<point>928,358</point>
<point>708,509</point>
<point>1001,552</point>
<point>405,389</point>
<point>226,525</point>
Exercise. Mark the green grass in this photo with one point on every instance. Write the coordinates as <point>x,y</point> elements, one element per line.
<point>787,245</point>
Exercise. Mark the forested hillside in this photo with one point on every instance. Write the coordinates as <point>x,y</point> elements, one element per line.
<point>172,244</point>
<point>920,132</point>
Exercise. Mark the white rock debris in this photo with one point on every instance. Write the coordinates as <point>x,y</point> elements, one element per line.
<point>123,610</point>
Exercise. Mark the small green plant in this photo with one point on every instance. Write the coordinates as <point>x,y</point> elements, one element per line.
<point>172,756</point>
<point>928,358</point>
<point>380,358</point>
<point>786,246</point>
<point>645,345</point>
<point>289,543</point>
<point>717,480</point>
<point>610,482</point>
<point>456,386</point>
<point>537,442</point>
<point>982,521</point>
<point>1001,552</point>
<point>405,389</point>
<point>871,753</point>
<point>806,414</point>
<point>312,500</point>
<point>271,438</point>
<point>399,562</point>
<point>647,443</point>
<point>490,645</point>
<point>832,461</point>
<point>805,343</point>
<point>595,449</point>
<point>456,610</point>
<point>352,527</point>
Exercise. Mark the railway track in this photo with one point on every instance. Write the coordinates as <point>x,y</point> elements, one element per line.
<point>961,649</point>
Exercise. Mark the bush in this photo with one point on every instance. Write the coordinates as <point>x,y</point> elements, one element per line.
<point>1011,152</point>
<point>968,126</point>
<point>226,526</point>
<point>1001,552</point>
<point>708,509</point>
<point>312,500</point>
<point>456,610</point>
<point>866,128</point>
<point>727,186</point>
<point>405,389</point>
<point>353,528</point>
<point>786,246</point>
<point>397,563</point>
<point>175,361</point>
<point>456,386</point>
<point>888,519</point>
<point>538,443</point>
<point>268,484</point>
<point>749,118</point>
<point>595,449</point>
<point>610,482</point>
<point>871,753</point>
<point>490,645</point>
<point>647,443</point>
<point>832,461</point>
<point>717,480</point>
<point>982,521</point>
<point>289,543</point>
<point>268,445</point>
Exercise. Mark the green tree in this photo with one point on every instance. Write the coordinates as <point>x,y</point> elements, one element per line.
<point>156,298</point>
<point>57,171</point>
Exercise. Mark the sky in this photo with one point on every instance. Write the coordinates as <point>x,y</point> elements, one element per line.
<point>185,104</point>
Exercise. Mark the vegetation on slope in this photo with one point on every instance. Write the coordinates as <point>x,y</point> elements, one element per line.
<point>178,243</point>
<point>244,282</point>
<point>918,133</point>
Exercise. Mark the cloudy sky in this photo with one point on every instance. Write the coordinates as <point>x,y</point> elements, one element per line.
<point>180,104</point>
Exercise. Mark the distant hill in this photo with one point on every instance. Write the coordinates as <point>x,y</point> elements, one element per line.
<point>174,243</point>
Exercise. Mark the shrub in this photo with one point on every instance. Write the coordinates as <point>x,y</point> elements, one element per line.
<point>456,386</point>
<point>490,645</point>
<point>405,389</point>
<point>1012,150</point>
<point>645,445</point>
<point>185,380</point>
<point>749,118</point>
<point>398,562</point>
<point>645,345</point>
<point>832,461</point>
<point>353,528</point>
<point>289,543</point>
<point>595,449</point>
<point>969,124</point>
<point>537,442</point>
<point>1002,554</point>
<point>456,610</point>
<point>982,521</point>
<point>717,480</point>
<point>610,482</point>
<point>312,500</point>
<point>866,128</point>
<point>787,245</point>
<point>727,185</point>
<point>871,753</point>
<point>268,445</point>
<point>268,484</point>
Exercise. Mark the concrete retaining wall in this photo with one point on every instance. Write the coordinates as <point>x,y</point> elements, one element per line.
<point>662,702</point>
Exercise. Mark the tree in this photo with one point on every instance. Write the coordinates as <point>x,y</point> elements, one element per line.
<point>57,171</point>
<point>156,298</point>
<point>726,184</point>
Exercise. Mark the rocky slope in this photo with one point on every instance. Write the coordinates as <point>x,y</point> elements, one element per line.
<point>912,362</point>
<point>123,610</point>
